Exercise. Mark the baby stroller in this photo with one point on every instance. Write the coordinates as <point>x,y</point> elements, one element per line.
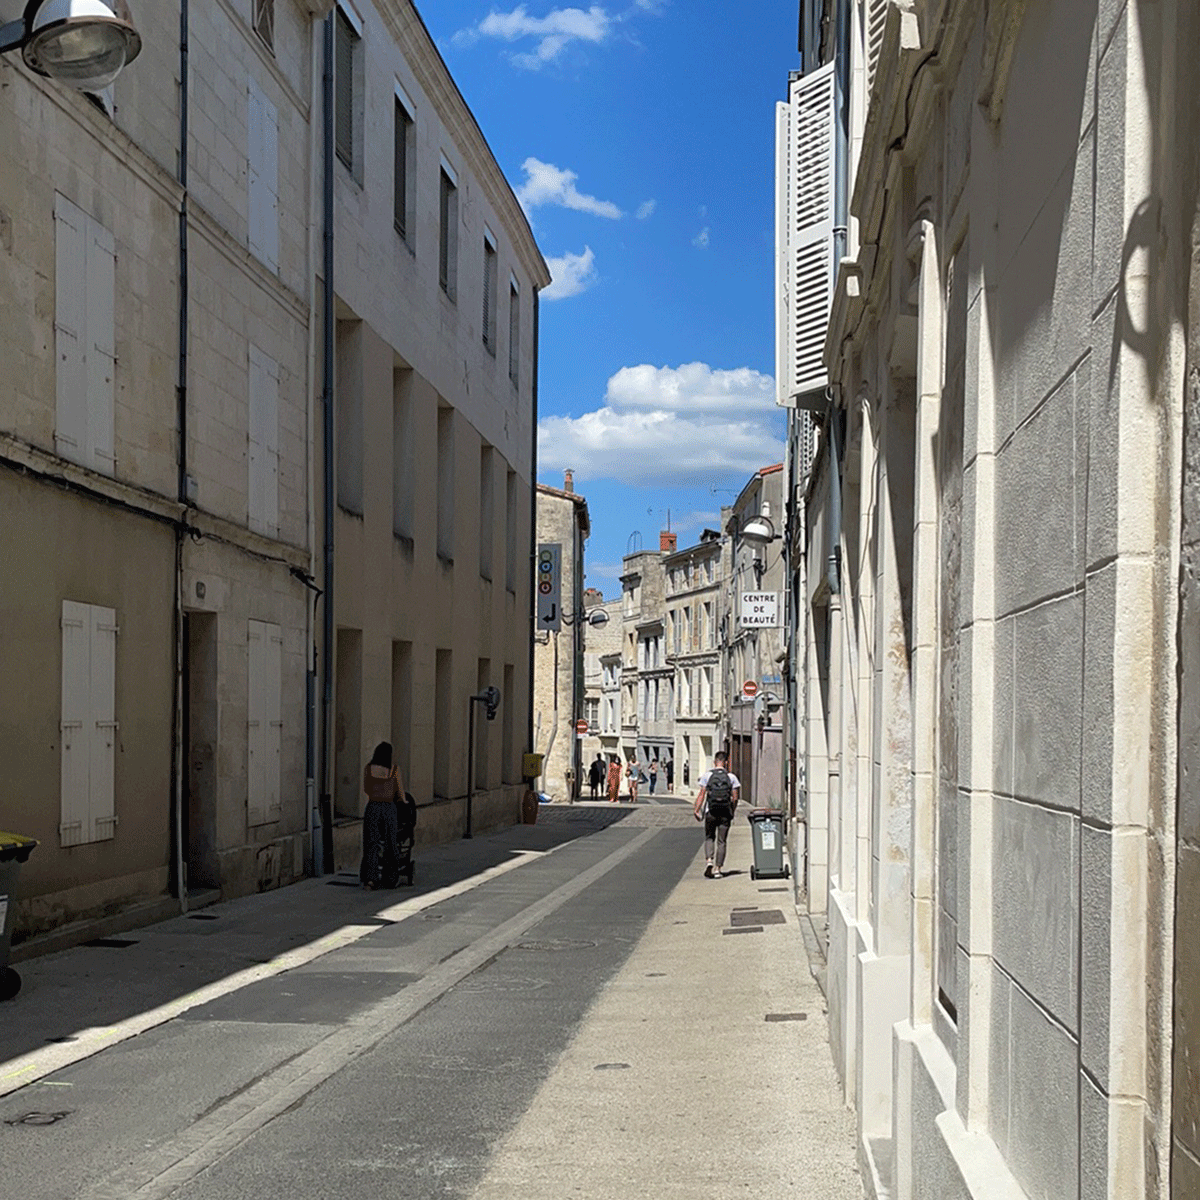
<point>398,861</point>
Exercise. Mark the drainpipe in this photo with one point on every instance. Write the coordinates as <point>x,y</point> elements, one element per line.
<point>841,159</point>
<point>178,750</point>
<point>533,531</point>
<point>324,861</point>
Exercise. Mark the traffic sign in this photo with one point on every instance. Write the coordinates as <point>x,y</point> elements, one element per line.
<point>581,726</point>
<point>749,689</point>
<point>549,586</point>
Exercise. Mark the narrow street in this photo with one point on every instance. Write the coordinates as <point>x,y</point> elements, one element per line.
<point>558,1009</point>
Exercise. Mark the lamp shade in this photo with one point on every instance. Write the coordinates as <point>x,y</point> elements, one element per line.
<point>758,530</point>
<point>82,43</point>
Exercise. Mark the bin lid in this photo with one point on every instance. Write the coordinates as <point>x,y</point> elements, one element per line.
<point>765,814</point>
<point>14,846</point>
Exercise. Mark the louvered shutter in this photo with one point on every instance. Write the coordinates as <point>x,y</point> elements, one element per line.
<point>273,714</point>
<point>103,748</point>
<point>344,84</point>
<point>70,321</point>
<point>256,724</point>
<point>877,11</point>
<point>75,813</point>
<point>100,350</point>
<point>253,166</point>
<point>262,154</point>
<point>810,229</point>
<point>400,170</point>
<point>488,258</point>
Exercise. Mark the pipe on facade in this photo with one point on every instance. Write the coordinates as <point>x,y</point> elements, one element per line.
<point>324,831</point>
<point>178,751</point>
<point>533,524</point>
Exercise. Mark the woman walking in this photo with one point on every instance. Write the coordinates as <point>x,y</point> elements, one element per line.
<point>381,827</point>
<point>613,782</point>
<point>634,772</point>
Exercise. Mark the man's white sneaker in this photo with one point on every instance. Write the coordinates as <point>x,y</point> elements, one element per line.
<point>718,873</point>
<point>708,871</point>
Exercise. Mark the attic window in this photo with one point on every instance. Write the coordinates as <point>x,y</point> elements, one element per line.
<point>264,22</point>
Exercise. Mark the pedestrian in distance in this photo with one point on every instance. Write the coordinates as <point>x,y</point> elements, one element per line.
<point>653,774</point>
<point>596,776</point>
<point>670,770</point>
<point>614,779</point>
<point>716,802</point>
<point>382,818</point>
<point>634,773</point>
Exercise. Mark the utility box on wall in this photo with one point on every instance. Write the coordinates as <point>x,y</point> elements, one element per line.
<point>531,765</point>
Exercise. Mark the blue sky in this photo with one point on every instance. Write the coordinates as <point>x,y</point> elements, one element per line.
<point>639,135</point>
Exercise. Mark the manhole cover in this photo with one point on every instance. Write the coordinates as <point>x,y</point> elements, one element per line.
<point>611,1067</point>
<point>786,1017</point>
<point>744,929</point>
<point>770,916</point>
<point>555,944</point>
<point>39,1118</point>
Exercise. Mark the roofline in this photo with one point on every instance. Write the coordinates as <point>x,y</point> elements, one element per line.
<point>579,501</point>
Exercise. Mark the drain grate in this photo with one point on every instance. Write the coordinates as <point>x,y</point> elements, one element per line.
<point>342,883</point>
<point>39,1118</point>
<point>112,943</point>
<point>556,944</point>
<point>202,917</point>
<point>782,889</point>
<point>611,1067</point>
<point>757,916</point>
<point>786,1017</point>
<point>744,929</point>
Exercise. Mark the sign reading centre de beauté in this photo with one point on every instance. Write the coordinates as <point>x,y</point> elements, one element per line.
<point>760,610</point>
<point>549,586</point>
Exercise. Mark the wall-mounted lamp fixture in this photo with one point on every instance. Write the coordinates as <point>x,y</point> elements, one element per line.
<point>760,530</point>
<point>84,44</point>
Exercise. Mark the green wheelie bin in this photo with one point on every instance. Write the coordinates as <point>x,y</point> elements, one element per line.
<point>766,826</point>
<point>14,850</point>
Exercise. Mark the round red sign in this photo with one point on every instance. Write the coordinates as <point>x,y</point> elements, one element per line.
<point>749,689</point>
<point>581,726</point>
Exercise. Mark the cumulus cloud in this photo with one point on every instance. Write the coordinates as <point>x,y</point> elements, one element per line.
<point>571,274</point>
<point>646,209</point>
<point>547,184</point>
<point>700,241</point>
<point>675,425</point>
<point>552,33</point>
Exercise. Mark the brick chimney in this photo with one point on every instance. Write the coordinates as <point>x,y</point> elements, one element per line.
<point>667,542</point>
<point>569,481</point>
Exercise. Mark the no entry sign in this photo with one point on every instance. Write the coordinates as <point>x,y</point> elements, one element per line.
<point>749,689</point>
<point>581,727</point>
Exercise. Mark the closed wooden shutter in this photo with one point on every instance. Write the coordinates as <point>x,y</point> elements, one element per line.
<point>101,351</point>
<point>400,181</point>
<point>344,89</point>
<point>263,444</point>
<point>70,321</point>
<point>103,750</point>
<point>262,153</point>
<point>264,726</point>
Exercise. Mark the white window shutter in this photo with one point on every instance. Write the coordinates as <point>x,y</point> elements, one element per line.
<point>75,818</point>
<point>263,438</point>
<point>783,305</point>
<point>262,155</point>
<point>100,349</point>
<point>254,168</point>
<point>273,710</point>
<point>70,320</point>
<point>256,723</point>
<point>810,229</point>
<point>103,749</point>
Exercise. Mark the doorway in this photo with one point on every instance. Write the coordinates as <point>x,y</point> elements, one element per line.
<point>200,724</point>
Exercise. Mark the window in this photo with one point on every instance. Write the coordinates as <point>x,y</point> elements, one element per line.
<point>592,712</point>
<point>264,721</point>
<point>510,532</point>
<point>404,176</point>
<point>264,22</point>
<point>709,631</point>
<point>448,235</point>
<point>514,334</point>
<point>263,437</point>
<point>348,403</point>
<point>490,277</point>
<point>84,338</point>
<point>445,482</point>
<point>262,157</point>
<point>487,509</point>
<point>403,492</point>
<point>347,39</point>
<point>89,726</point>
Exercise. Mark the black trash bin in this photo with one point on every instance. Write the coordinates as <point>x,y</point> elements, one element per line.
<point>14,850</point>
<point>766,827</point>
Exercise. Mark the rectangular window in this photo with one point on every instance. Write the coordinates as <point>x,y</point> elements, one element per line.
<point>445,483</point>
<point>403,174</point>
<point>448,235</point>
<point>445,726</point>
<point>514,334</point>
<point>84,338</point>
<point>402,709</point>
<point>491,267</point>
<point>262,157</point>
<point>402,453</point>
<point>487,509</point>
<point>263,438</point>
<point>592,712</point>
<point>347,40</point>
<point>510,532</point>
<point>89,726</point>
<point>348,404</point>
<point>264,708</point>
<point>264,22</point>
<point>709,631</point>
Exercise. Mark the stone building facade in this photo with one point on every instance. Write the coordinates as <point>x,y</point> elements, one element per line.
<point>999,744</point>
<point>163,463</point>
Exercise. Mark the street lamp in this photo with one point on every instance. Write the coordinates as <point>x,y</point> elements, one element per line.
<point>84,44</point>
<point>490,699</point>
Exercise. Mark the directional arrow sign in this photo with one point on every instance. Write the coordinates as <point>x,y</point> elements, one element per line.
<point>549,586</point>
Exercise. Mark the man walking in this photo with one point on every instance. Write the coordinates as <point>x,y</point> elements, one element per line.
<point>596,776</point>
<point>653,774</point>
<point>720,790</point>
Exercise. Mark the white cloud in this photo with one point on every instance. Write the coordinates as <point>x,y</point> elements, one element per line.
<point>571,274</point>
<point>646,209</point>
<point>553,32</point>
<point>700,241</point>
<point>670,425</point>
<point>547,184</point>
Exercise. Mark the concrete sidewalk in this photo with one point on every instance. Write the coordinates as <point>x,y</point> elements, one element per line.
<point>701,1068</point>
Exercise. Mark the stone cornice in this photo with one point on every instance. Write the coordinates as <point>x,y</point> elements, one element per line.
<point>427,65</point>
<point>845,312</point>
